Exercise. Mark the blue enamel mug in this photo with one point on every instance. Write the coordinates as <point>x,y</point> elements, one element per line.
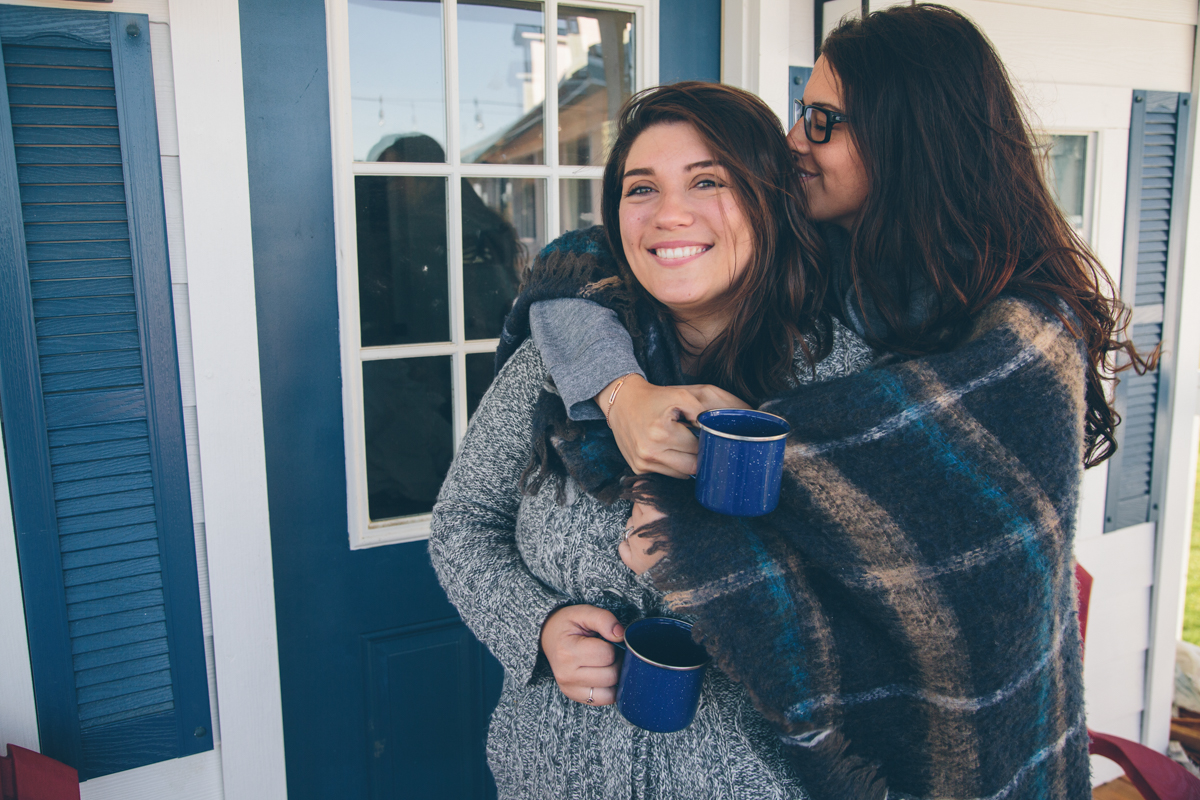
<point>740,461</point>
<point>661,675</point>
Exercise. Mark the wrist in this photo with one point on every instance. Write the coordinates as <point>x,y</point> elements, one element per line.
<point>607,398</point>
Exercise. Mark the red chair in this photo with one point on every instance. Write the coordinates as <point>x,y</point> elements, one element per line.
<point>26,775</point>
<point>1154,775</point>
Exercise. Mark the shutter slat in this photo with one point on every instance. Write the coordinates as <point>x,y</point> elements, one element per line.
<point>72,193</point>
<point>133,711</point>
<point>108,572</point>
<point>70,135</point>
<point>120,621</point>
<point>96,379</point>
<point>70,326</point>
<point>119,638</point>
<point>117,657</point>
<point>89,343</point>
<point>49,115</point>
<point>83,306</point>
<point>67,270</point>
<point>112,672</point>
<point>112,464</point>
<point>84,98</point>
<point>97,486</point>
<point>95,154</point>
<point>39,174</point>
<point>85,541</point>
<point>75,362</point>
<point>125,602</point>
<point>66,251</point>
<point>85,506</point>
<point>58,76</point>
<point>75,212</point>
<point>126,686</point>
<point>82,287</point>
<point>114,588</point>
<point>76,231</point>
<point>90,408</point>
<point>109,519</point>
<point>15,54</point>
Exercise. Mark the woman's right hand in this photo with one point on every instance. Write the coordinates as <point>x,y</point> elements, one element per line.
<point>584,664</point>
<point>648,423</point>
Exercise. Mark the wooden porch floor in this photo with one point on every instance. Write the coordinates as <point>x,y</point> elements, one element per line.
<point>1120,789</point>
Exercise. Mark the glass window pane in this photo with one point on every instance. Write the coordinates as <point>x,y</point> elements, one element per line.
<point>409,433</point>
<point>403,295</point>
<point>595,76</point>
<point>502,227</point>
<point>502,81</point>
<point>579,203</point>
<point>1068,175</point>
<point>397,80</point>
<point>480,367</point>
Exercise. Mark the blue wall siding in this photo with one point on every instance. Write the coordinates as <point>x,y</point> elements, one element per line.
<point>689,40</point>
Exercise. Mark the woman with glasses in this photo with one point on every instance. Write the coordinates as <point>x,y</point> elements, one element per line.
<point>906,617</point>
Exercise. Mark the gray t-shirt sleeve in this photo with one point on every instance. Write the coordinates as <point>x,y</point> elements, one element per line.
<point>585,348</point>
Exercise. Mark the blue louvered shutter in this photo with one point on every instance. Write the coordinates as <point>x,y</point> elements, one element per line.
<point>1154,227</point>
<point>89,390</point>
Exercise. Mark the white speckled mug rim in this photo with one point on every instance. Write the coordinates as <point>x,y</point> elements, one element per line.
<point>735,437</point>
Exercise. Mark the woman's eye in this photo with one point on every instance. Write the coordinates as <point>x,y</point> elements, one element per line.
<point>636,190</point>
<point>708,183</point>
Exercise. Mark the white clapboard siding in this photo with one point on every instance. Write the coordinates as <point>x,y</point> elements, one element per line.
<point>196,777</point>
<point>1053,45</point>
<point>1182,12</point>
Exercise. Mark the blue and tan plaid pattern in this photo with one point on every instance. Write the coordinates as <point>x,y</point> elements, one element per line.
<point>907,618</point>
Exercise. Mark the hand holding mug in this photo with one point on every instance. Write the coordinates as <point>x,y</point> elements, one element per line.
<point>584,664</point>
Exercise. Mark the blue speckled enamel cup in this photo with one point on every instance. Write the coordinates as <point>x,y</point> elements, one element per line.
<point>740,461</point>
<point>661,674</point>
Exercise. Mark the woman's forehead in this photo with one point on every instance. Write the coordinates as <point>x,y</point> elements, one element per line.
<point>824,88</point>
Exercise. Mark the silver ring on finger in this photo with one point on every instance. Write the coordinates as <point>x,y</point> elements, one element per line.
<point>591,700</point>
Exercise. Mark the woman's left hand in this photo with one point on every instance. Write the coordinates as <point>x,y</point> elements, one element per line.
<point>633,549</point>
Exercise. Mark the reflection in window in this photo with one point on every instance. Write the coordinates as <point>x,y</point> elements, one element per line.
<point>409,432</point>
<point>595,77</point>
<point>501,227</point>
<point>502,81</point>
<point>1068,176</point>
<point>579,202</point>
<point>479,377</point>
<point>397,80</point>
<point>403,291</point>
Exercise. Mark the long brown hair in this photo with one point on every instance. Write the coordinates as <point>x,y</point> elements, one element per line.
<point>957,197</point>
<point>772,304</point>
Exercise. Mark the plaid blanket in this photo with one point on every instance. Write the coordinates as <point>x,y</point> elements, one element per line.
<point>907,617</point>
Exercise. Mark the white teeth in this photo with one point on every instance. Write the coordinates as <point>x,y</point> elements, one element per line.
<point>679,252</point>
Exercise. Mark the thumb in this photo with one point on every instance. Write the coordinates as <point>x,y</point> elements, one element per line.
<point>603,622</point>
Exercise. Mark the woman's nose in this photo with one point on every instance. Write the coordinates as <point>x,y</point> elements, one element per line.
<point>797,139</point>
<point>673,210</point>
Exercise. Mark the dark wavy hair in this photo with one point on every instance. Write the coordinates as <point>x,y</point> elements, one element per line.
<point>774,303</point>
<point>957,192</point>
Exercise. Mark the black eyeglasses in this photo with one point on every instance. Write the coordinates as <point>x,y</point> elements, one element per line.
<point>818,122</point>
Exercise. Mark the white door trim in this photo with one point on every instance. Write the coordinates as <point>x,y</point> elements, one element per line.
<point>206,48</point>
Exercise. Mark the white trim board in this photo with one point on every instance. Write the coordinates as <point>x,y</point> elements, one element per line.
<point>214,180</point>
<point>18,713</point>
<point>363,532</point>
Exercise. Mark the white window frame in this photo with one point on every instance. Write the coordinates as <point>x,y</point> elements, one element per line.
<point>363,532</point>
<point>1089,179</point>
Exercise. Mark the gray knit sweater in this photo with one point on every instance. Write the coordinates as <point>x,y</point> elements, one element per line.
<point>507,561</point>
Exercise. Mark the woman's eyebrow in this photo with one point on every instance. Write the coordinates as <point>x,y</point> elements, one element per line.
<point>638,171</point>
<point>648,171</point>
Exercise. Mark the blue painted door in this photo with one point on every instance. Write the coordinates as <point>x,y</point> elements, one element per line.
<point>385,693</point>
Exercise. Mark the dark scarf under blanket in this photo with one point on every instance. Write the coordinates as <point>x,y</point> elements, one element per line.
<point>579,264</point>
<point>906,618</point>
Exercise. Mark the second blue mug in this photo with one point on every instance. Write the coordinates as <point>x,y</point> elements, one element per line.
<point>661,675</point>
<point>740,461</point>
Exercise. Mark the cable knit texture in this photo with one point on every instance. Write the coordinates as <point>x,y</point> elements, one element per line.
<point>508,560</point>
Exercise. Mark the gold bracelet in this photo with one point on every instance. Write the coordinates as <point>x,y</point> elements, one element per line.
<point>611,398</point>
